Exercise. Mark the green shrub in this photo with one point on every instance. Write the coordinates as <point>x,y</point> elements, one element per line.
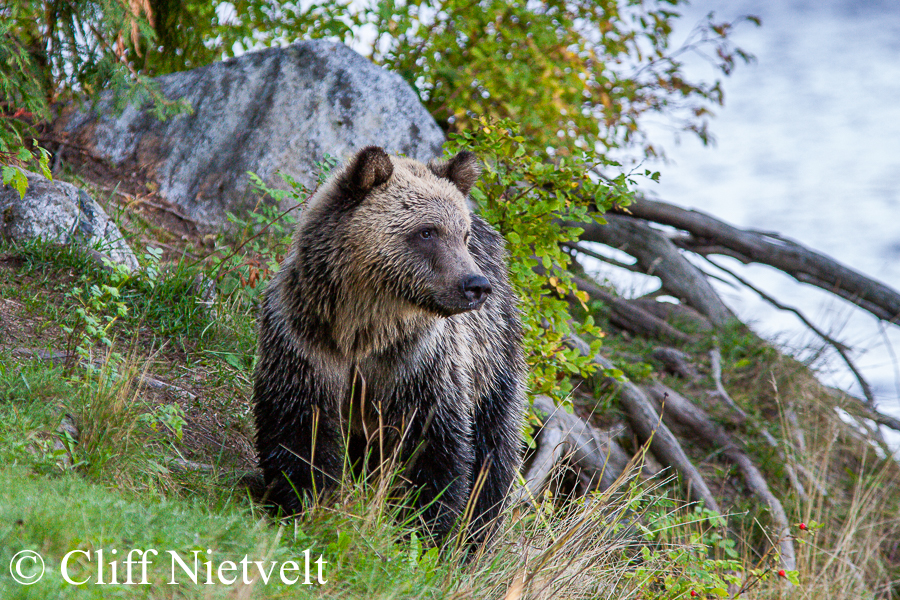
<point>528,199</point>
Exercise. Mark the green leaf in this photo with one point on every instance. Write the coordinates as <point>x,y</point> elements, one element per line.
<point>20,183</point>
<point>234,360</point>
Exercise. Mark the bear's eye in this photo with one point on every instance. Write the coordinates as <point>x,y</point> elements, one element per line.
<point>428,233</point>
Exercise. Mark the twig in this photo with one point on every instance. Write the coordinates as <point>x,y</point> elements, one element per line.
<point>56,140</point>
<point>841,348</point>
<point>794,422</point>
<point>259,233</point>
<point>890,349</point>
<point>616,263</point>
<point>715,359</point>
<point>172,211</point>
<point>812,478</point>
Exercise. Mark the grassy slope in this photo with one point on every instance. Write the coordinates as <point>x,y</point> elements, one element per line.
<point>121,487</point>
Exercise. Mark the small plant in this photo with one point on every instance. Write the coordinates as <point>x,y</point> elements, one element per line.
<point>167,416</point>
<point>264,234</point>
<point>99,306</point>
<point>13,163</point>
<point>688,553</point>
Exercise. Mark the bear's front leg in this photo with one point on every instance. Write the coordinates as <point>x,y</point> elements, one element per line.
<point>437,452</point>
<point>297,431</point>
<point>498,453</point>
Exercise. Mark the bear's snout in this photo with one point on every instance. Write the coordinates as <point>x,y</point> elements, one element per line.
<point>475,288</point>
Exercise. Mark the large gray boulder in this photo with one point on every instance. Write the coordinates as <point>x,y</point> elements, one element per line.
<point>60,212</point>
<point>275,109</point>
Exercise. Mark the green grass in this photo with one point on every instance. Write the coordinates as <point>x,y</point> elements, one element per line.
<point>55,516</point>
<point>120,494</point>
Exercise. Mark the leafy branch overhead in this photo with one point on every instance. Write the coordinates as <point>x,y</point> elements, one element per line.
<point>575,75</point>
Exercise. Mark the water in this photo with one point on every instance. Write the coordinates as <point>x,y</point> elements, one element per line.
<point>808,145</point>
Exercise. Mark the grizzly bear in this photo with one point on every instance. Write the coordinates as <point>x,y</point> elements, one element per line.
<point>392,319</point>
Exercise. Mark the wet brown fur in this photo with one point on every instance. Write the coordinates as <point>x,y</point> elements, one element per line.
<point>364,299</point>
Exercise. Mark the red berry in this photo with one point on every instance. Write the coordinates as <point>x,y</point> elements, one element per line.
<point>781,573</point>
<point>802,526</point>
<point>693,594</point>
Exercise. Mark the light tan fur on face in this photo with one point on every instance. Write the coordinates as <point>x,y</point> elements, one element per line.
<point>369,317</point>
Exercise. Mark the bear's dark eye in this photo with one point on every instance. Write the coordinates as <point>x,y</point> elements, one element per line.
<point>428,233</point>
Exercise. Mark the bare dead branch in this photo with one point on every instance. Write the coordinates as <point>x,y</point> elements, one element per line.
<point>631,317</point>
<point>162,386</point>
<point>658,256</point>
<point>565,436</point>
<point>676,362</point>
<point>708,235</point>
<point>600,257</point>
<point>838,346</point>
<point>671,312</point>
<point>865,411</point>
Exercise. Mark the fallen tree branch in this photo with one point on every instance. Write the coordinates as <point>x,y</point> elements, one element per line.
<point>565,436</point>
<point>648,425</point>
<point>707,235</point>
<point>671,312</point>
<point>631,317</point>
<point>162,386</point>
<point>675,362</point>
<point>690,415</point>
<point>659,257</point>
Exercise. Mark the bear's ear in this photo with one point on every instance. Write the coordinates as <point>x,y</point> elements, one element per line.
<point>369,168</point>
<point>463,170</point>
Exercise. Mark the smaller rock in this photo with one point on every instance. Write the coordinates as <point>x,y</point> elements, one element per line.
<point>60,212</point>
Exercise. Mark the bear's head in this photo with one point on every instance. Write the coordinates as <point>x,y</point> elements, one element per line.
<point>392,236</point>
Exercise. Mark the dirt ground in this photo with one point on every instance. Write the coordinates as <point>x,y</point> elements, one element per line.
<point>218,428</point>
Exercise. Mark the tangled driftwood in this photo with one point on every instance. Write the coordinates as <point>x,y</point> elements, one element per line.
<point>656,414</point>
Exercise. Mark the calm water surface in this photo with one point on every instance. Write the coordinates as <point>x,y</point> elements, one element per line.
<point>808,145</point>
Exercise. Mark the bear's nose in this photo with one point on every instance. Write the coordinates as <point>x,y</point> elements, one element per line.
<point>476,288</point>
